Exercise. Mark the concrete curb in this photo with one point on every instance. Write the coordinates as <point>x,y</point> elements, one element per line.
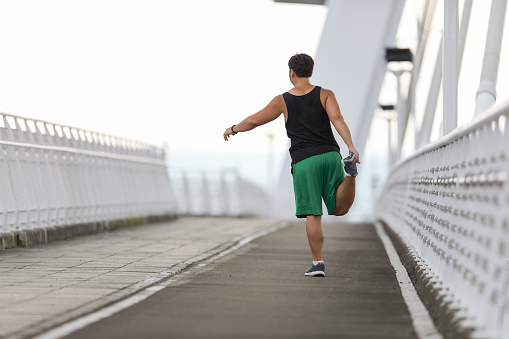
<point>445,317</point>
<point>45,235</point>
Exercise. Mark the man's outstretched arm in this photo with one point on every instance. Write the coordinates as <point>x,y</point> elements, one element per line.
<point>269,113</point>
<point>335,116</point>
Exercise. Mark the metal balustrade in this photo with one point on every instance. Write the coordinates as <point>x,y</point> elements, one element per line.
<point>54,175</point>
<point>218,193</point>
<point>449,203</point>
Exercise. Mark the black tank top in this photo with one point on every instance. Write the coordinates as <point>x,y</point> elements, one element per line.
<point>308,126</point>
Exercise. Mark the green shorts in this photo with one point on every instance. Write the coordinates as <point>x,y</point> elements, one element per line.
<point>315,178</point>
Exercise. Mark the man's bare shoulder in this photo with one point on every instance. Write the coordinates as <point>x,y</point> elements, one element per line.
<point>326,92</point>
<point>279,100</point>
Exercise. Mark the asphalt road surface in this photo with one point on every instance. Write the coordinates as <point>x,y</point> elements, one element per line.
<point>260,291</point>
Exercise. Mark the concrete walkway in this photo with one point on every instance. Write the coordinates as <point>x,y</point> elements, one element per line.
<point>257,291</point>
<point>48,285</point>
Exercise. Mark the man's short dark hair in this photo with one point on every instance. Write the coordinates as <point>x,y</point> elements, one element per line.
<point>302,64</point>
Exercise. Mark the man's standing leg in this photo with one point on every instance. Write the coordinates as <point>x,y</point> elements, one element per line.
<point>315,235</point>
<point>314,231</point>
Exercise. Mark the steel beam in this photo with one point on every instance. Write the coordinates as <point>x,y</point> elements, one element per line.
<point>450,66</point>
<point>487,94</point>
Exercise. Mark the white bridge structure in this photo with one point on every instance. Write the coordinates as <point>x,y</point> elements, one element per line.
<point>446,198</point>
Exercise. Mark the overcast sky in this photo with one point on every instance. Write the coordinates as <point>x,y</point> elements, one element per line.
<point>175,72</point>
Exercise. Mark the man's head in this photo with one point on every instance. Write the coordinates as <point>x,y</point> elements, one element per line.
<point>302,64</point>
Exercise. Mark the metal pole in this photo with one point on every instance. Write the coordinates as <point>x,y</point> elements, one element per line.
<point>391,152</point>
<point>450,66</point>
<point>465,21</point>
<point>270,169</point>
<point>487,94</point>
<point>387,113</point>
<point>401,114</point>
<point>431,102</point>
<point>424,27</point>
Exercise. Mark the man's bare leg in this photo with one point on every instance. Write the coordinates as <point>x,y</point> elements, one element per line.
<point>345,195</point>
<point>314,231</point>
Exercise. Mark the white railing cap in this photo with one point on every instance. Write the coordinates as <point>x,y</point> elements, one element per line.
<point>491,114</point>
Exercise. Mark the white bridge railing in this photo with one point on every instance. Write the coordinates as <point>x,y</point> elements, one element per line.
<point>218,193</point>
<point>54,175</point>
<point>449,202</point>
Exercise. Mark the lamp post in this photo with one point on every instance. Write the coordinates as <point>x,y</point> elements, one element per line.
<point>270,169</point>
<point>388,114</point>
<point>399,55</point>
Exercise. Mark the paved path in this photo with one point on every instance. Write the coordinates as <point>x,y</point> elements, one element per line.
<point>260,291</point>
<point>48,285</point>
<point>256,291</point>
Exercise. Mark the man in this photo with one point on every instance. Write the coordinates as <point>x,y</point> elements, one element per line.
<point>316,161</point>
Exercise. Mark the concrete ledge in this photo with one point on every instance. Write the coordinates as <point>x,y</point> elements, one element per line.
<point>9,240</point>
<point>44,235</point>
<point>445,317</point>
